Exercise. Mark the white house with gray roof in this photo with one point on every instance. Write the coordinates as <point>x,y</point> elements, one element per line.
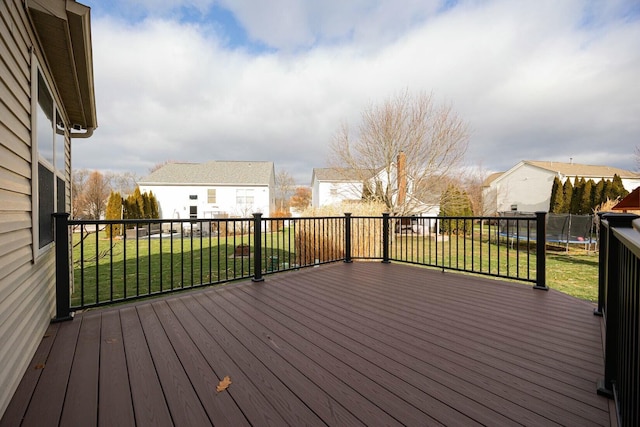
<point>215,189</point>
<point>526,187</point>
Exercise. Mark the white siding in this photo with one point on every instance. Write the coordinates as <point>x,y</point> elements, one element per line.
<point>174,200</point>
<point>27,300</point>
<point>327,193</point>
<point>528,188</point>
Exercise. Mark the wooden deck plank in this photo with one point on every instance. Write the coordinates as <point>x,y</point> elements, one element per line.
<point>149,405</point>
<point>425,389</point>
<point>48,397</point>
<point>260,364</point>
<point>249,375</point>
<point>343,344</point>
<point>114,389</point>
<point>451,363</point>
<point>247,390</point>
<point>341,388</point>
<point>341,361</point>
<point>81,402</point>
<point>180,396</point>
<point>476,334</point>
<point>19,403</point>
<point>220,407</point>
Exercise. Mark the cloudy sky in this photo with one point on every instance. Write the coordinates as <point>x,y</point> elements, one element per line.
<point>199,80</point>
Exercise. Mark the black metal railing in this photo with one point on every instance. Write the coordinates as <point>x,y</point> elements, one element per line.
<point>119,260</point>
<point>619,303</point>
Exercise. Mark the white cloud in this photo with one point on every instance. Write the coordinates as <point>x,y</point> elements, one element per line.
<point>535,80</point>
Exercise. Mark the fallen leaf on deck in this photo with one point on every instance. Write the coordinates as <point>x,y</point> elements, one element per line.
<point>111,340</point>
<point>39,366</point>
<point>222,385</point>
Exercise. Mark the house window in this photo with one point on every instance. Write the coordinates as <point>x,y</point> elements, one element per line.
<point>49,163</point>
<point>244,197</point>
<point>193,197</point>
<point>333,191</point>
<point>193,212</point>
<point>211,195</point>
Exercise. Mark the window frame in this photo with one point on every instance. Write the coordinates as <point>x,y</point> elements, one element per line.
<point>56,166</point>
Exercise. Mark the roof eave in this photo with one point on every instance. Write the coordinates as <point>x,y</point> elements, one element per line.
<point>63,29</point>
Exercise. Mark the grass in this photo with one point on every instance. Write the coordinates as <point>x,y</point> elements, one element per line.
<point>126,269</point>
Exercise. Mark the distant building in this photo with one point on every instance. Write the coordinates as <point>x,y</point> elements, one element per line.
<point>213,189</point>
<point>335,185</point>
<point>526,187</point>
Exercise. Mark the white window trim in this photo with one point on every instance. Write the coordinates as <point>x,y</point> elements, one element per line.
<point>36,69</point>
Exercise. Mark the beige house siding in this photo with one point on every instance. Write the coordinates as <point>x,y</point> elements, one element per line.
<point>26,287</point>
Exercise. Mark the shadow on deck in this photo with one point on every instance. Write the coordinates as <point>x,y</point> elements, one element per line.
<point>343,344</point>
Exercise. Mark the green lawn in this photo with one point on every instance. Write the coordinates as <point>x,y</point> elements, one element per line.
<point>153,265</point>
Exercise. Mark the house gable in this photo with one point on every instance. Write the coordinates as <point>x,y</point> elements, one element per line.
<point>212,189</point>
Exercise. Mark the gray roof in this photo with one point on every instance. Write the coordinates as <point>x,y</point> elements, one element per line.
<point>587,171</point>
<point>212,173</point>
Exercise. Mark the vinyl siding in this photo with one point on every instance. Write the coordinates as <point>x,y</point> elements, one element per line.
<point>26,287</point>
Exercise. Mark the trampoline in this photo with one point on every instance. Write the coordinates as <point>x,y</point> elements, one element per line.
<point>561,229</point>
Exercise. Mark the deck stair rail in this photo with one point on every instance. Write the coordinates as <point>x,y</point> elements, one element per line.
<point>619,304</point>
<point>111,261</point>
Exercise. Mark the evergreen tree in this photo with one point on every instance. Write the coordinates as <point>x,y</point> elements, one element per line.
<point>586,199</point>
<point>607,192</point>
<point>146,206</point>
<point>598,191</point>
<point>567,190</point>
<point>576,198</point>
<point>618,189</point>
<point>155,209</point>
<point>557,197</point>
<point>455,203</point>
<point>114,211</point>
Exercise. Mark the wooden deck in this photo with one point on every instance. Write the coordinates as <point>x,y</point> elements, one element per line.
<point>344,345</point>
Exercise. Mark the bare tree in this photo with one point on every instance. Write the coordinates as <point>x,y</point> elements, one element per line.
<point>433,139</point>
<point>301,198</point>
<point>95,195</point>
<point>284,187</point>
<point>473,184</point>
<point>122,182</point>
<point>78,182</point>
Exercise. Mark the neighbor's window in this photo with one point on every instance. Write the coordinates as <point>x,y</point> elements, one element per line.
<point>211,195</point>
<point>49,156</point>
<point>193,197</point>
<point>244,196</point>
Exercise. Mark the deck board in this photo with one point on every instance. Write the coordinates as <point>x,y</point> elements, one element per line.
<point>343,344</point>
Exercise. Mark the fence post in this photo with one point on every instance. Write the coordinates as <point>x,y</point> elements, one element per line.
<point>347,237</point>
<point>541,251</point>
<point>602,264</point>
<point>385,238</point>
<point>62,267</point>
<point>257,248</point>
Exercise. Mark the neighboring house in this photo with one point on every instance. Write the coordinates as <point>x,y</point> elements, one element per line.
<point>630,204</point>
<point>335,185</point>
<point>526,187</point>
<point>47,98</point>
<point>213,189</point>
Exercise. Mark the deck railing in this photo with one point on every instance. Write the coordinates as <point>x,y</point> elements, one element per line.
<point>105,262</point>
<point>619,303</point>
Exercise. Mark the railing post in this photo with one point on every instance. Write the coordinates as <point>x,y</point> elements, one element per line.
<point>62,267</point>
<point>257,248</point>
<point>347,237</point>
<point>611,308</point>
<point>385,238</point>
<point>602,263</point>
<point>541,251</point>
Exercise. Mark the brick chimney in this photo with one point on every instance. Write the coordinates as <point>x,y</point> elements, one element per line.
<point>402,178</point>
